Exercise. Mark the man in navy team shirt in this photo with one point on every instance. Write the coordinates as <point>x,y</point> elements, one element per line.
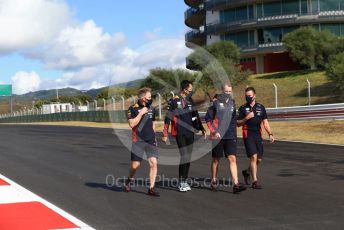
<point>141,118</point>
<point>253,118</point>
<point>222,123</point>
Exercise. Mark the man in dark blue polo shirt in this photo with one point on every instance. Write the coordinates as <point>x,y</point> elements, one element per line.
<point>252,118</point>
<point>222,123</point>
<point>141,118</point>
<point>185,120</point>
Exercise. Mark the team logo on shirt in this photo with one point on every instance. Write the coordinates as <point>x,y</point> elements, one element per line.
<point>179,104</point>
<point>259,111</point>
<point>150,114</point>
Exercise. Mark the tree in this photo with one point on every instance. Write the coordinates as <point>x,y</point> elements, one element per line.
<point>83,98</point>
<point>309,47</point>
<point>217,62</point>
<point>103,94</point>
<point>327,45</point>
<point>335,71</point>
<point>165,80</point>
<point>71,99</point>
<point>225,50</point>
<point>109,92</point>
<point>40,103</point>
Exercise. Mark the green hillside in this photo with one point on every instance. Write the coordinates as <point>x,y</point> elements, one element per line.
<point>292,88</point>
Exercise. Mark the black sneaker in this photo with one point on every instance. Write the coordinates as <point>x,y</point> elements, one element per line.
<point>246,175</point>
<point>255,185</point>
<point>214,185</point>
<point>128,183</point>
<point>238,188</point>
<point>152,192</point>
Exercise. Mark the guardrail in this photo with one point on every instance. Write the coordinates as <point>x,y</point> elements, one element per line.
<point>312,112</point>
<point>91,116</point>
<point>330,111</point>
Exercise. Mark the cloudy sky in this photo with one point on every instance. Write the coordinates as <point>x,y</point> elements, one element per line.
<point>47,44</point>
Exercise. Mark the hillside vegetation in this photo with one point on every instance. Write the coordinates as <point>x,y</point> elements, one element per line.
<point>292,89</point>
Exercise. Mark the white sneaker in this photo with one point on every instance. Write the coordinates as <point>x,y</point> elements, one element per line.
<point>182,187</point>
<point>187,186</point>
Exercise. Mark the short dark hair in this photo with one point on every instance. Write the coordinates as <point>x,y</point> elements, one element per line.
<point>143,91</point>
<point>250,89</point>
<point>185,84</point>
<point>226,83</point>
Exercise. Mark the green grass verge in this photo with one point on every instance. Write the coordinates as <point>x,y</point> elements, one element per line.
<point>292,88</point>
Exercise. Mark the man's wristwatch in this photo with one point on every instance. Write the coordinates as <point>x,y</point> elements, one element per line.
<point>270,134</point>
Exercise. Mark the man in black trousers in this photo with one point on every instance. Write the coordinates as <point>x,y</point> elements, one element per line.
<point>185,121</point>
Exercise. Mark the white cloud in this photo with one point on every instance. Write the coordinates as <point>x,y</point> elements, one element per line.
<point>128,65</point>
<point>89,57</point>
<point>82,46</point>
<point>29,23</point>
<point>153,35</point>
<point>165,53</point>
<point>24,82</point>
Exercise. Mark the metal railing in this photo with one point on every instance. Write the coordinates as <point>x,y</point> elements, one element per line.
<point>193,3</point>
<point>217,27</point>
<point>194,11</point>
<point>311,112</point>
<point>98,110</point>
<point>212,4</point>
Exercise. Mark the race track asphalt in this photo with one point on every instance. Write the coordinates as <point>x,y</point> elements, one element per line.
<point>74,168</point>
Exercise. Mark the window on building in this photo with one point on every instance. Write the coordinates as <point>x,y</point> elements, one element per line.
<point>260,10</point>
<point>242,39</point>
<point>290,7</point>
<point>251,38</point>
<point>316,27</point>
<point>237,14</point>
<point>273,35</point>
<point>250,59</point>
<point>304,7</point>
<point>227,16</point>
<point>289,29</point>
<point>329,5</point>
<point>272,9</point>
<point>333,28</point>
<point>315,7</point>
<point>241,13</point>
<point>250,12</point>
<point>260,36</point>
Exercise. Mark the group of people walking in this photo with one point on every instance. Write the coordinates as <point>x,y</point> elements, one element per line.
<point>222,121</point>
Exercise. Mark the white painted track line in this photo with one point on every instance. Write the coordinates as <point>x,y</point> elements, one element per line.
<point>15,193</point>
